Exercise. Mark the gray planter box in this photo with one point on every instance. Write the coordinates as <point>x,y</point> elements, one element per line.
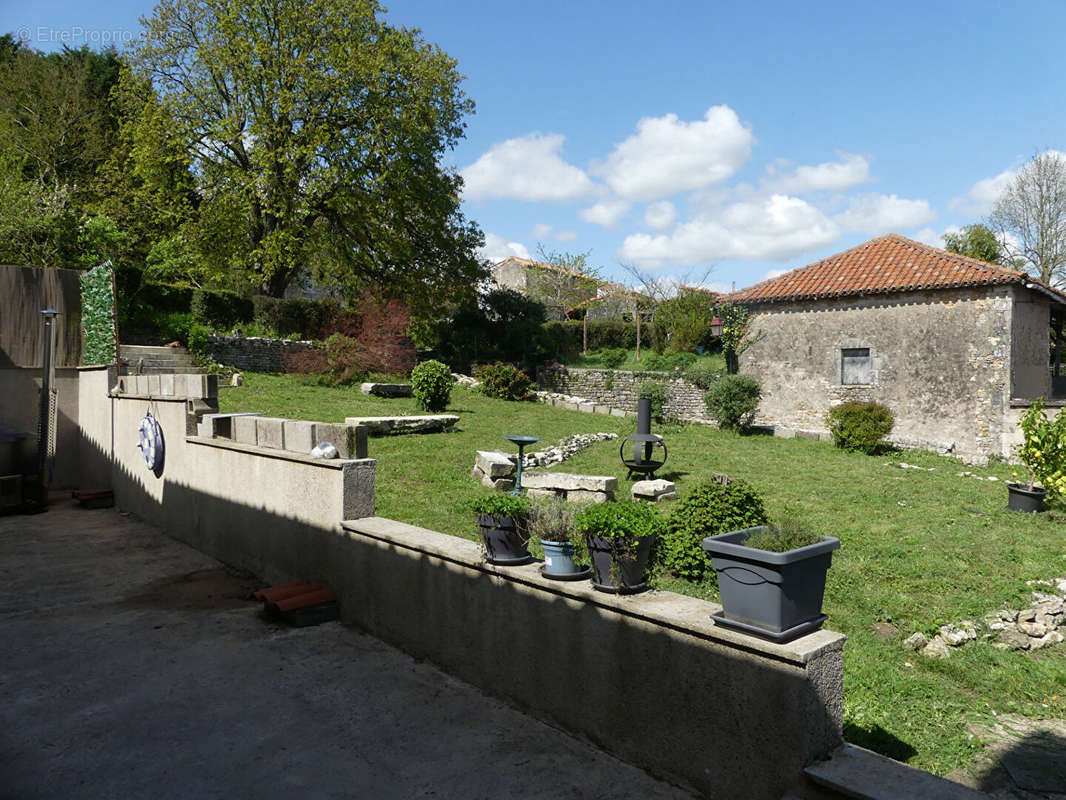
<point>774,595</point>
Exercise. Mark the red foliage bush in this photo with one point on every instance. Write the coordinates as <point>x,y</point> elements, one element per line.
<point>376,342</point>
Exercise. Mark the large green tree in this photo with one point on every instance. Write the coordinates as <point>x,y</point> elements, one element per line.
<point>976,241</point>
<point>316,130</point>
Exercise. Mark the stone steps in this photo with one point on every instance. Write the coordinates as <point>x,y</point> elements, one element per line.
<point>144,360</point>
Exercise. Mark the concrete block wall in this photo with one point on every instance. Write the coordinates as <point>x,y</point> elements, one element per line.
<point>648,677</point>
<point>621,389</point>
<point>254,353</point>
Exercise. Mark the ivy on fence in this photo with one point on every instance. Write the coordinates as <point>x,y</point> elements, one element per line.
<point>97,315</point>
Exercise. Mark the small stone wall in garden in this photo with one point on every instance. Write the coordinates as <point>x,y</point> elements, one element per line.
<point>253,353</point>
<point>620,389</point>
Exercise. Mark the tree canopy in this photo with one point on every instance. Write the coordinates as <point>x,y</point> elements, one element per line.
<point>976,241</point>
<point>315,131</point>
<point>1029,218</point>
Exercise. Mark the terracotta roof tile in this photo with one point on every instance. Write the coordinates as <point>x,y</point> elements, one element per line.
<point>884,265</point>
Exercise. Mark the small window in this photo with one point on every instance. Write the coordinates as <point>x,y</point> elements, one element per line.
<point>855,366</point>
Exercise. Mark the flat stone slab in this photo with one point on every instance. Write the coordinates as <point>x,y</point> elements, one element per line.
<point>567,482</point>
<point>1022,758</point>
<point>857,772</point>
<point>386,389</point>
<point>382,426</point>
<point>653,490</point>
<point>494,463</point>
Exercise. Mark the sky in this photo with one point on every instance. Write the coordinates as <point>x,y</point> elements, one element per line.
<point>716,142</point>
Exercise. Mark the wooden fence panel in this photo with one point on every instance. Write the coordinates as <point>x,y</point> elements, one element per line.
<point>24,293</point>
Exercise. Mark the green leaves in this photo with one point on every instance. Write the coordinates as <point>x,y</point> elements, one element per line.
<point>1043,450</point>
<point>97,316</point>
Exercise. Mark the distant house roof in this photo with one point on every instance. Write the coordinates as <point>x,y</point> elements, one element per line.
<point>886,265</point>
<point>527,262</point>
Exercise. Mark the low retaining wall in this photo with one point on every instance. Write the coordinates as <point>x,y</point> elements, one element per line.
<point>255,354</point>
<point>620,389</point>
<point>648,677</point>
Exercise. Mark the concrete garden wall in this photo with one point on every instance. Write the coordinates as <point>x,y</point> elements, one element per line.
<point>648,677</point>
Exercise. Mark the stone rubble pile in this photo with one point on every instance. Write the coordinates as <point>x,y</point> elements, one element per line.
<point>466,380</point>
<point>496,468</point>
<point>1034,628</point>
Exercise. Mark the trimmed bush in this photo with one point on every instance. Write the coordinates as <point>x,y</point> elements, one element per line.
<point>564,338</point>
<point>97,316</point>
<point>431,384</point>
<point>613,357</point>
<point>732,400</point>
<point>287,317</point>
<point>504,381</point>
<point>662,362</point>
<point>220,310</point>
<point>703,377</point>
<point>708,510</point>
<point>861,427</point>
<point>659,394</point>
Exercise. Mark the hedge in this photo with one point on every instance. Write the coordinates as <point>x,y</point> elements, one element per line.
<point>97,316</point>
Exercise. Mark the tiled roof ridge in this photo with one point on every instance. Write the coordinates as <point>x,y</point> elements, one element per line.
<point>528,262</point>
<point>795,284</point>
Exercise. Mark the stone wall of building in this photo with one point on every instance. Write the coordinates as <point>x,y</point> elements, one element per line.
<point>255,354</point>
<point>621,388</point>
<point>939,360</point>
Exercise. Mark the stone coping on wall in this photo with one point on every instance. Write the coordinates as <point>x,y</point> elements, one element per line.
<point>676,612</point>
<point>283,455</point>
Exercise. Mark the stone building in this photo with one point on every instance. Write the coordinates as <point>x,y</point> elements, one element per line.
<point>955,347</point>
<point>557,287</point>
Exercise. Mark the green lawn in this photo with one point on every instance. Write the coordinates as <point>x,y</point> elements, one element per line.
<point>919,548</point>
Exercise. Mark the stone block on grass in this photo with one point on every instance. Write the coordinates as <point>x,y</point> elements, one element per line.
<point>494,463</point>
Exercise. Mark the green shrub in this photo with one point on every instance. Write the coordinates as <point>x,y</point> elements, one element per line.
<point>732,400</point>
<point>613,357</point>
<point>659,394</point>
<point>662,362</point>
<point>1043,450</point>
<point>860,426</point>
<point>623,524</point>
<point>500,505</point>
<point>704,377</point>
<point>220,310</point>
<point>564,338</point>
<point>709,509</point>
<point>504,382</point>
<point>431,384</point>
<point>288,316</point>
<point>789,534</point>
<point>197,340</point>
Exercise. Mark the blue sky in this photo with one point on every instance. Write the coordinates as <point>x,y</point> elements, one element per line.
<point>742,138</point>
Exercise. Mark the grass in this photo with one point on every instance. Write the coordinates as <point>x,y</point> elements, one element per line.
<point>594,360</point>
<point>919,548</point>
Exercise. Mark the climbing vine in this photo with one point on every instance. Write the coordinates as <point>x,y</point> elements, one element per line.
<point>97,316</point>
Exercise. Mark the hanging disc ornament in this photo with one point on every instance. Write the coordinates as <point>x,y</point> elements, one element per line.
<point>150,442</point>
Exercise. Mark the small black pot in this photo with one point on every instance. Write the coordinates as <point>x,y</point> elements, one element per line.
<point>1021,498</point>
<point>505,539</point>
<point>615,571</point>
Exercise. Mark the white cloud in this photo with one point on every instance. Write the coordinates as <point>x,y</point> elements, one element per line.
<point>660,216</point>
<point>541,231</point>
<point>884,213</point>
<point>526,168</point>
<point>566,236</point>
<point>776,227</point>
<point>850,170</point>
<point>607,213</point>
<point>930,237</point>
<point>774,273</point>
<point>497,249</point>
<point>668,155</point>
<point>983,194</point>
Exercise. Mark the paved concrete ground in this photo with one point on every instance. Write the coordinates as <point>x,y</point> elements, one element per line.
<point>133,666</point>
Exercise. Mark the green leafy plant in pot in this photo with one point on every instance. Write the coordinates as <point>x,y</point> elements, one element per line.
<point>620,537</point>
<point>551,523</point>
<point>1043,452</point>
<point>503,520</point>
<point>772,578</point>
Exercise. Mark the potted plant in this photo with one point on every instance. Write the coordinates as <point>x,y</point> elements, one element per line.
<point>503,520</point>
<point>771,578</point>
<point>1043,452</point>
<point>619,536</point>
<point>551,523</point>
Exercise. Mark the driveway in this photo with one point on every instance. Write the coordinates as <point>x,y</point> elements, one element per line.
<point>134,666</point>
